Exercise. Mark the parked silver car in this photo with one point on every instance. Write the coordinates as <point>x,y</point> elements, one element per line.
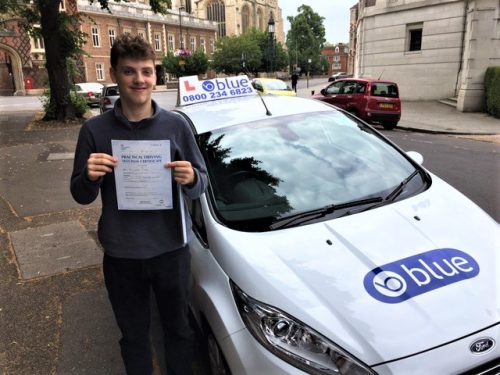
<point>110,93</point>
<point>91,91</point>
<point>339,75</point>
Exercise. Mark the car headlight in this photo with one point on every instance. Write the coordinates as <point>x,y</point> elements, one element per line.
<point>293,341</point>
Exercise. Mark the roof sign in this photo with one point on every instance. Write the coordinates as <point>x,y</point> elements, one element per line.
<point>192,90</point>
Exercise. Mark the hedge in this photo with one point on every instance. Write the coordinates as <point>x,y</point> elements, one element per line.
<point>492,90</point>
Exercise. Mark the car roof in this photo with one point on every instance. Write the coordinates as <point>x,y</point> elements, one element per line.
<point>267,79</point>
<point>217,114</point>
<point>367,79</point>
<point>89,84</point>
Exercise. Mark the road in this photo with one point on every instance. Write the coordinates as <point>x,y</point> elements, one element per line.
<point>470,166</point>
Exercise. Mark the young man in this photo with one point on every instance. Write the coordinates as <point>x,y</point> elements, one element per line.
<point>144,250</point>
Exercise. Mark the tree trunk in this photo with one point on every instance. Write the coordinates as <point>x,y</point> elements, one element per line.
<point>55,56</point>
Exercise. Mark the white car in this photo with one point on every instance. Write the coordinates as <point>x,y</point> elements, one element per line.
<point>323,248</point>
<point>90,91</point>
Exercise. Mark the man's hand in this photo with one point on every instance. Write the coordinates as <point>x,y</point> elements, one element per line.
<point>183,172</point>
<point>98,165</point>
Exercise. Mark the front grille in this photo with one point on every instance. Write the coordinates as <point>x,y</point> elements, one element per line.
<point>490,368</point>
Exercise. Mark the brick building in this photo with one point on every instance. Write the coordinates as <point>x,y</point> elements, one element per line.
<point>337,57</point>
<point>200,23</point>
<point>22,59</point>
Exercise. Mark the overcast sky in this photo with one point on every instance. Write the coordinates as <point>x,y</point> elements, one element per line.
<point>336,13</point>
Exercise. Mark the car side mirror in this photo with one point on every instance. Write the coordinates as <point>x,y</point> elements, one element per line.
<point>323,92</point>
<point>416,157</point>
<point>257,86</point>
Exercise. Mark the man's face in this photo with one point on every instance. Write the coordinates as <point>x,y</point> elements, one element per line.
<point>136,79</point>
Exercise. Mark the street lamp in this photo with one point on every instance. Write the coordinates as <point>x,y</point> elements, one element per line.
<point>180,27</point>
<point>270,30</point>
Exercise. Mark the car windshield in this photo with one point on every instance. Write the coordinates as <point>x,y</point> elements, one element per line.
<point>265,171</point>
<point>275,85</point>
<point>112,91</point>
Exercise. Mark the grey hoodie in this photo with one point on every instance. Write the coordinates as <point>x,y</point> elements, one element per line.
<point>136,234</point>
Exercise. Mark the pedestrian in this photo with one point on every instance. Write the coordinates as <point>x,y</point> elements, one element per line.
<point>295,78</point>
<point>144,250</point>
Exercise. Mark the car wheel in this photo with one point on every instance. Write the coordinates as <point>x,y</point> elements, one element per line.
<point>217,362</point>
<point>389,125</point>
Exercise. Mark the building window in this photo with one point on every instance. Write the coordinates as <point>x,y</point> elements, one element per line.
<point>260,20</point>
<point>245,19</point>
<point>337,50</point>
<point>171,43</point>
<point>212,46</point>
<point>141,34</point>
<point>99,71</point>
<point>157,37</point>
<point>203,46</point>
<point>96,40</point>
<point>112,37</point>
<point>193,43</point>
<point>216,11</point>
<point>127,31</point>
<point>414,37</point>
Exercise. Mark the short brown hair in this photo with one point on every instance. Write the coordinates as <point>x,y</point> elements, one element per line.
<point>133,46</point>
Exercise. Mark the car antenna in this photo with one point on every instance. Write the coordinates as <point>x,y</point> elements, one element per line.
<point>380,76</point>
<point>268,112</point>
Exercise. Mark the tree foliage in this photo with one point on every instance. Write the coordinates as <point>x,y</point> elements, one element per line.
<point>186,64</point>
<point>63,40</point>
<point>306,39</point>
<point>250,52</point>
<point>235,54</point>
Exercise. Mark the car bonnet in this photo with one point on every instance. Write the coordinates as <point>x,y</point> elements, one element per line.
<point>441,244</point>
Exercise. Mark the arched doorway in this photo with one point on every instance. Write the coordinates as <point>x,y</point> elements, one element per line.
<point>11,72</point>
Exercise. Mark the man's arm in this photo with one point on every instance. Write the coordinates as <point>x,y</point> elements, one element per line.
<point>83,189</point>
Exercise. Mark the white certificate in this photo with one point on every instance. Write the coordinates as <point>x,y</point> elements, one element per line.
<point>142,181</point>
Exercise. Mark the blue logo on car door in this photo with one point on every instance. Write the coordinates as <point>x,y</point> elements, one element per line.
<point>409,277</point>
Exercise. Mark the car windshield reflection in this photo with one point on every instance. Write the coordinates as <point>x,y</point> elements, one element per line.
<point>264,171</point>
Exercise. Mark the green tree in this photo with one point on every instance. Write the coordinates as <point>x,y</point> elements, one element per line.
<point>183,63</point>
<point>235,54</point>
<point>63,40</point>
<point>274,56</point>
<point>250,52</point>
<point>306,39</point>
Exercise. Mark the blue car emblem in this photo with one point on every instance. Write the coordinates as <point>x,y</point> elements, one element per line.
<point>406,278</point>
<point>482,345</point>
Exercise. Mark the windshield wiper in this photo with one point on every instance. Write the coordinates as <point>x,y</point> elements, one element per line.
<point>399,189</point>
<point>287,221</point>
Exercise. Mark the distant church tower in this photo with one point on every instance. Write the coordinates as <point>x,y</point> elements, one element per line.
<point>234,17</point>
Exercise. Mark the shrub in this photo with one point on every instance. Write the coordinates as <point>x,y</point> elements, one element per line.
<point>492,90</point>
<point>78,101</point>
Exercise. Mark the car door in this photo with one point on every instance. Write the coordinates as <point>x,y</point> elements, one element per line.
<point>355,96</point>
<point>334,94</point>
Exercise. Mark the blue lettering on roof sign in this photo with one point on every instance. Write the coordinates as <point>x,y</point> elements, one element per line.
<point>192,90</point>
<point>409,277</point>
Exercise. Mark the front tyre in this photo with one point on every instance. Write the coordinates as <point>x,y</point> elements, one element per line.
<point>389,125</point>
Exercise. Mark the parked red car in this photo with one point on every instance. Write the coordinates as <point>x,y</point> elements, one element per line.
<point>371,100</point>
